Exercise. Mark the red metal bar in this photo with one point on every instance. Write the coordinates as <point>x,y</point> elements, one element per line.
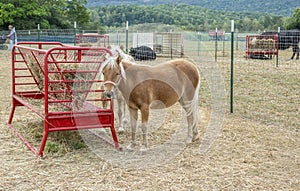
<point>20,102</point>
<point>40,44</point>
<point>44,139</point>
<point>30,147</point>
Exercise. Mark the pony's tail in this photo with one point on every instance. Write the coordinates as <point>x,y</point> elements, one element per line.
<point>192,106</point>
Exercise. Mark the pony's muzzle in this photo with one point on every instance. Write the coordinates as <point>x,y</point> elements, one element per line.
<point>108,94</point>
<point>109,86</point>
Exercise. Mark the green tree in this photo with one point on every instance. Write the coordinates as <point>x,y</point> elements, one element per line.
<point>294,21</point>
<point>184,16</point>
<point>7,12</point>
<point>26,14</point>
<point>77,11</point>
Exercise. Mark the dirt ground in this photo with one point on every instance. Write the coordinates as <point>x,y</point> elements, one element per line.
<point>249,154</point>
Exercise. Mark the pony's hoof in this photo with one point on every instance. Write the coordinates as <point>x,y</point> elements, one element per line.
<point>102,131</point>
<point>121,130</point>
<point>195,136</point>
<point>130,147</point>
<point>189,140</point>
<point>143,149</point>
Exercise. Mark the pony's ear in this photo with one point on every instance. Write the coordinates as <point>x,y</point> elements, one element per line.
<point>105,56</point>
<point>119,59</point>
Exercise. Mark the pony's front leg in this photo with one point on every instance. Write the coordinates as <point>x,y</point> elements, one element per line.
<point>145,117</point>
<point>133,121</point>
<point>121,112</point>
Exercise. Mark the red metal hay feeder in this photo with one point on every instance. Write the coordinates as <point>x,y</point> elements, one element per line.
<point>261,46</point>
<point>92,39</point>
<point>66,80</point>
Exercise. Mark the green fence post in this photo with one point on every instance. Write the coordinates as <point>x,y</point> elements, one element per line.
<point>223,51</point>
<point>75,26</point>
<point>278,36</point>
<point>38,32</point>
<point>118,38</point>
<point>231,71</point>
<point>171,44</point>
<point>127,37</point>
<point>216,45</point>
<point>198,43</point>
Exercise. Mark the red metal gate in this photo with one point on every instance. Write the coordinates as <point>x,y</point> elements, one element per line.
<point>92,39</point>
<point>259,46</point>
<point>65,80</point>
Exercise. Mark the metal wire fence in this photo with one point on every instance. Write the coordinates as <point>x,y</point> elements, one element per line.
<point>264,89</point>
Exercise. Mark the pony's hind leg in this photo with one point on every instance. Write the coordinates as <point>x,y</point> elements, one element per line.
<point>192,129</point>
<point>144,126</point>
<point>133,122</point>
<point>192,119</point>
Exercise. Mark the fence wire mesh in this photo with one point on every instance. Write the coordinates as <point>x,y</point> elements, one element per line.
<point>266,88</point>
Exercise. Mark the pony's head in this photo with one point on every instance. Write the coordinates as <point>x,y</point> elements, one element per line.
<point>113,72</point>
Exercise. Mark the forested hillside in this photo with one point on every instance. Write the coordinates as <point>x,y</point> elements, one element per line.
<point>28,14</point>
<point>278,7</point>
<point>187,17</point>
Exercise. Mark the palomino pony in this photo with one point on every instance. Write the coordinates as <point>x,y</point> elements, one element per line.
<point>116,93</point>
<point>157,87</point>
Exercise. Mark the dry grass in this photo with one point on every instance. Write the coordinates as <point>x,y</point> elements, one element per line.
<point>258,148</point>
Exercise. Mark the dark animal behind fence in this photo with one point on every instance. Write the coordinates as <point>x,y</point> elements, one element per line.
<point>288,38</point>
<point>142,53</point>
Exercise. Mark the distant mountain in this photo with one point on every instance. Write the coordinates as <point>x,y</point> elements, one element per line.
<point>277,7</point>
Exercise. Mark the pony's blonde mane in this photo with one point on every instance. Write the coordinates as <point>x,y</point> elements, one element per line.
<point>108,63</point>
<point>117,51</point>
<point>111,61</point>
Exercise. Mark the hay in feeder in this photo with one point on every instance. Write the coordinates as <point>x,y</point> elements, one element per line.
<point>262,44</point>
<point>36,72</point>
<point>64,81</point>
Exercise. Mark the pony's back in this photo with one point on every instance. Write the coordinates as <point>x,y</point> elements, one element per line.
<point>189,69</point>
